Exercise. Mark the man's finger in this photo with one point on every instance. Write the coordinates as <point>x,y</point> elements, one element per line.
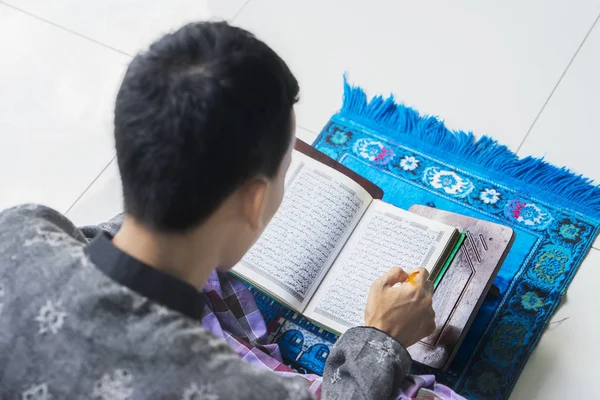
<point>428,286</point>
<point>393,276</point>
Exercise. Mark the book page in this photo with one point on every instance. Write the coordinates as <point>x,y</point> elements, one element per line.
<point>385,237</point>
<point>320,209</point>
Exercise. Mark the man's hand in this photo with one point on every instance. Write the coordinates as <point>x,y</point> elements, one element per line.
<point>403,311</point>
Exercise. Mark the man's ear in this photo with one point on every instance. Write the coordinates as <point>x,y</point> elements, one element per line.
<point>254,201</point>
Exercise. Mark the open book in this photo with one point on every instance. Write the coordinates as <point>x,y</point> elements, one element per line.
<point>331,239</point>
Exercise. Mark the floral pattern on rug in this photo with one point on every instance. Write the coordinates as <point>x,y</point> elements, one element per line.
<point>563,239</point>
<point>509,327</point>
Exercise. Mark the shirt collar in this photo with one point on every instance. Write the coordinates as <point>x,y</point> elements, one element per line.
<point>150,282</point>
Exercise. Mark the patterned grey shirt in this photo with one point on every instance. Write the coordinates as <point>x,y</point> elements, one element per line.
<point>68,331</point>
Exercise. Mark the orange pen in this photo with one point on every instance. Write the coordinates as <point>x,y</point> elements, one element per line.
<point>411,277</point>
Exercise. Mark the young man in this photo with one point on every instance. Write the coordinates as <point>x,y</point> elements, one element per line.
<point>204,130</point>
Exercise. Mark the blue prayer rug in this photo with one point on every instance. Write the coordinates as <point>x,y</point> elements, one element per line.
<point>416,160</point>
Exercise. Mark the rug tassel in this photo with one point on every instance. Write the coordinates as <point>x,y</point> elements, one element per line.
<point>534,175</point>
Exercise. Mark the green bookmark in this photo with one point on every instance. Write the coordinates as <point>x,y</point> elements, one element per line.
<point>449,260</point>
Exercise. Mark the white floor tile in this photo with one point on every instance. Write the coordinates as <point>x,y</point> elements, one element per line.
<point>567,132</point>
<point>483,66</point>
<point>102,201</point>
<point>305,135</point>
<point>564,364</point>
<point>56,98</point>
<point>127,25</point>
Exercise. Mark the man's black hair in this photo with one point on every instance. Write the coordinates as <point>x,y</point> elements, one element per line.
<point>199,113</point>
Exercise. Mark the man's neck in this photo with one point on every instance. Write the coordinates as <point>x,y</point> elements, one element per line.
<point>184,256</point>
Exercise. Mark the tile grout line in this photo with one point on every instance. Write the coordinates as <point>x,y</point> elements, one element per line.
<point>66,29</point>
<point>238,11</point>
<point>306,129</point>
<point>558,83</point>
<point>90,185</point>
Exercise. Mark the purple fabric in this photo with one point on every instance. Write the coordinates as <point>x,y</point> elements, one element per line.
<point>230,312</point>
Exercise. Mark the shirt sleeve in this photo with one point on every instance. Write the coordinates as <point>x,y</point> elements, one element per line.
<point>31,222</point>
<point>365,363</point>
<point>111,227</point>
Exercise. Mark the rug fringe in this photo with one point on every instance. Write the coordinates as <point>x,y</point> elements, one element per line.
<point>534,175</point>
